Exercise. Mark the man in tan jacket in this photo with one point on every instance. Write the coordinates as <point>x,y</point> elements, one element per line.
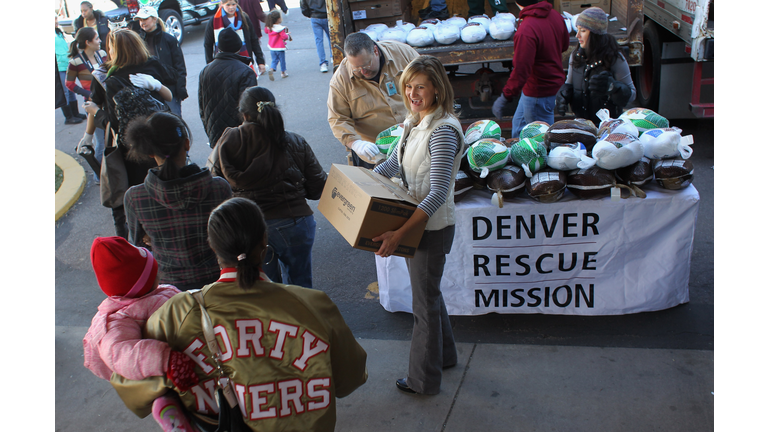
<point>364,96</point>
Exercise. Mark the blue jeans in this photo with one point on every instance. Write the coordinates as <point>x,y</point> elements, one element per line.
<point>437,5</point>
<point>531,109</point>
<point>71,96</point>
<point>278,56</point>
<point>175,105</point>
<point>320,25</point>
<point>289,256</point>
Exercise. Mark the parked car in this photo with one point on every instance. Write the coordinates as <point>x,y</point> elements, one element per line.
<point>175,13</point>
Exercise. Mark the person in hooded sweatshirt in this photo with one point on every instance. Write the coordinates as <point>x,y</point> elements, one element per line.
<point>169,211</point>
<point>537,75</point>
<point>221,83</point>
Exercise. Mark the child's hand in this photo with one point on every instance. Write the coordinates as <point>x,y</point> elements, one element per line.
<point>181,371</point>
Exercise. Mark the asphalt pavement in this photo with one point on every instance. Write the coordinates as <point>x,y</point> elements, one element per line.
<point>639,372</point>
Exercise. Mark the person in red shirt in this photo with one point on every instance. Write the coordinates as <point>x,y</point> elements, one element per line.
<point>537,72</point>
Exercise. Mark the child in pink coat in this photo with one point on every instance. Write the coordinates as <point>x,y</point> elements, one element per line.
<point>128,275</point>
<point>277,37</point>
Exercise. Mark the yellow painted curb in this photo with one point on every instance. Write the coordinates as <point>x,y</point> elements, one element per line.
<point>72,186</point>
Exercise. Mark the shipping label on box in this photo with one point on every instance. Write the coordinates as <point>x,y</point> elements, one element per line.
<point>362,205</point>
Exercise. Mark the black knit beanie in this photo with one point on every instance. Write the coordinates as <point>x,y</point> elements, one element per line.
<point>229,41</point>
<point>525,3</point>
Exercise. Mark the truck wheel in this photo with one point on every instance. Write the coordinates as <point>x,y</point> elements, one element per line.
<point>173,23</point>
<point>648,75</point>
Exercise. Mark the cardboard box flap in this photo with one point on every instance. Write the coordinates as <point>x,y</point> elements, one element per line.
<point>376,185</point>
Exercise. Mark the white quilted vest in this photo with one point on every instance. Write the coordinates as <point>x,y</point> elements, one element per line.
<point>415,161</point>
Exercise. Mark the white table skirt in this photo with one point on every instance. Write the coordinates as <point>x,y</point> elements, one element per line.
<point>571,257</point>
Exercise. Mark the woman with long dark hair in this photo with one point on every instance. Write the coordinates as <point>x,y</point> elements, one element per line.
<point>278,342</point>
<point>278,170</point>
<point>598,74</point>
<point>173,203</point>
<point>130,65</point>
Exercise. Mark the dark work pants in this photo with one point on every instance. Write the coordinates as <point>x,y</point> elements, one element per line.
<point>432,344</point>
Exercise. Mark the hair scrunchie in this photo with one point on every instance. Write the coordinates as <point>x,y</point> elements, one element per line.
<point>262,104</point>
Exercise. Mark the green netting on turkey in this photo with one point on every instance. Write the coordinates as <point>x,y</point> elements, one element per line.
<point>529,154</point>
<point>487,155</point>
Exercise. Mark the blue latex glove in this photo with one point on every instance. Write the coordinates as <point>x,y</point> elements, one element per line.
<point>499,105</point>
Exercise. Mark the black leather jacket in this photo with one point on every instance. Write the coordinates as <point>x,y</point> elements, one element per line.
<point>279,183</point>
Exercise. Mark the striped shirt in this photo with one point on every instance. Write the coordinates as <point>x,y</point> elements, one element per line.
<point>443,146</point>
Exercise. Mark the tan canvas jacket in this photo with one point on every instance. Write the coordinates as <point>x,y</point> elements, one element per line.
<point>360,109</point>
<point>286,348</point>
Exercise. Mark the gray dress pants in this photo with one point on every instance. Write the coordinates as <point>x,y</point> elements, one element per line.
<point>432,344</point>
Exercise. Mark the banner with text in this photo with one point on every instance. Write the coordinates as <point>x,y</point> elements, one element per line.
<point>572,257</point>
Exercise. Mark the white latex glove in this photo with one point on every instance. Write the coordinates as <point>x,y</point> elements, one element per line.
<point>365,150</point>
<point>146,81</point>
<point>87,140</point>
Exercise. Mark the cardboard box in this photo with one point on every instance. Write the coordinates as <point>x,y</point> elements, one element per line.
<point>362,205</point>
<point>574,7</point>
<point>370,9</point>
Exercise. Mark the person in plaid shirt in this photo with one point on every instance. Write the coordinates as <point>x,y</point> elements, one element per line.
<point>172,206</point>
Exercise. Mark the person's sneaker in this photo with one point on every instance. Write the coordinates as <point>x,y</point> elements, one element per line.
<point>73,120</point>
<point>324,67</point>
<point>286,12</point>
<point>271,74</point>
<point>441,15</point>
<point>284,74</point>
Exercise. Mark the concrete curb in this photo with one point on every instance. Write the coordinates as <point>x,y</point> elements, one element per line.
<point>72,186</point>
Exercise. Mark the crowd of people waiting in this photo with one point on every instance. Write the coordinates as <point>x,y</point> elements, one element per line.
<point>230,244</point>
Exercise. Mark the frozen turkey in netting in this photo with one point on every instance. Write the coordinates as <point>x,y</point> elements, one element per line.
<point>396,34</point>
<point>673,173</point>
<point>420,37</point>
<point>446,34</point>
<point>644,119</point>
<point>473,32</point>
<point>616,151</point>
<point>501,27</point>
<point>487,155</point>
<point>546,186</point>
<point>590,183</point>
<point>506,183</point>
<point>387,139</point>
<point>666,143</point>
<point>572,131</point>
<point>529,154</point>
<point>567,156</point>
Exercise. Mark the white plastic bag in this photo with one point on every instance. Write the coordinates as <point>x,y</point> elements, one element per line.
<point>446,34</point>
<point>377,28</point>
<point>665,143</point>
<point>482,19</point>
<point>420,37</point>
<point>622,150</point>
<point>501,27</point>
<point>473,32</point>
<point>568,157</point>
<point>456,21</point>
<point>393,34</point>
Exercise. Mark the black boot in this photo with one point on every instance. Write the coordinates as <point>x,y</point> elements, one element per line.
<point>69,118</point>
<point>75,112</point>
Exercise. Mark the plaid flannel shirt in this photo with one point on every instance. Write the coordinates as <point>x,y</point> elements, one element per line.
<point>174,214</point>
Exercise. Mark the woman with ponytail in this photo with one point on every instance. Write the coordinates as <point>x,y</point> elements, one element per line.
<point>279,342</point>
<point>172,206</point>
<point>278,170</point>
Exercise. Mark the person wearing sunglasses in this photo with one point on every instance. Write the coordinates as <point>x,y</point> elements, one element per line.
<point>363,98</point>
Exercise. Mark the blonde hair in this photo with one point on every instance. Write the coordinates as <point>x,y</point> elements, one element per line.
<point>433,69</point>
<point>126,48</point>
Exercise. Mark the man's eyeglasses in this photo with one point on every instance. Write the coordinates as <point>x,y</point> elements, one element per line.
<point>368,68</point>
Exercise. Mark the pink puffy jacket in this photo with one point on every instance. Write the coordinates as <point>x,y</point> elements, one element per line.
<point>114,342</point>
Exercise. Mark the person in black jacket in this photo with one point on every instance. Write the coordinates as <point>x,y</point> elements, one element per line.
<point>278,170</point>
<point>316,11</point>
<point>166,48</point>
<point>231,15</point>
<point>220,85</point>
<point>93,18</point>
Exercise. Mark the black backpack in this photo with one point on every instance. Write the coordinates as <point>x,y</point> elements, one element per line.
<point>132,102</point>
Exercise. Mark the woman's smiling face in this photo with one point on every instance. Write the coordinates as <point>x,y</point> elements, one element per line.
<point>421,94</point>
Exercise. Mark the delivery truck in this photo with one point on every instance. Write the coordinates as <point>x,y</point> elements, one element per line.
<point>478,71</point>
<point>676,78</point>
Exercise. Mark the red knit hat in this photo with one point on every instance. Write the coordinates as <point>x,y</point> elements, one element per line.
<point>121,268</point>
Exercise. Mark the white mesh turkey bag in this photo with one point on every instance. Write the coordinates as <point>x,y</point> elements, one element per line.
<point>665,143</point>
<point>482,20</point>
<point>482,129</point>
<point>530,154</point>
<point>487,155</point>
<point>420,37</point>
<point>387,139</point>
<point>376,29</point>
<point>456,21</point>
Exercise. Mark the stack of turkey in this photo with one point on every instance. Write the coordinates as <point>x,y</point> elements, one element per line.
<point>574,154</point>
